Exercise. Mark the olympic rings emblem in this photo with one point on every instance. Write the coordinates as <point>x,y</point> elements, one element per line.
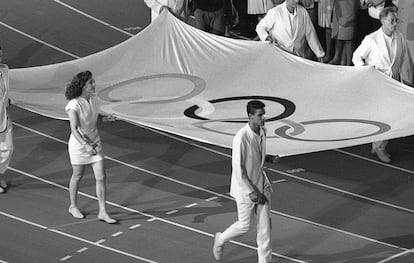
<point>290,130</point>
<point>198,86</point>
<point>282,131</point>
<point>289,107</point>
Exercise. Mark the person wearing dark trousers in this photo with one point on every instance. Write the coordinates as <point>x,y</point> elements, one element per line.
<point>209,16</point>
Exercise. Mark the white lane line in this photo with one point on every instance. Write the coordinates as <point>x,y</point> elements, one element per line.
<point>396,256</point>
<point>171,212</point>
<point>152,218</point>
<point>38,40</point>
<point>75,237</point>
<point>117,234</point>
<point>92,17</point>
<point>134,226</point>
<point>279,181</point>
<point>2,261</point>
<point>100,241</point>
<point>65,258</point>
<point>218,152</point>
<point>374,161</point>
<point>201,189</point>
<point>132,28</point>
<point>345,192</point>
<point>226,155</point>
<point>82,250</point>
<point>277,171</point>
<point>211,198</point>
<point>191,205</point>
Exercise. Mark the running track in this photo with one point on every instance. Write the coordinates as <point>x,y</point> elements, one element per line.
<point>169,193</point>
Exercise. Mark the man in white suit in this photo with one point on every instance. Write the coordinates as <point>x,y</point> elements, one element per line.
<point>289,26</point>
<point>386,49</point>
<point>176,7</point>
<point>250,186</point>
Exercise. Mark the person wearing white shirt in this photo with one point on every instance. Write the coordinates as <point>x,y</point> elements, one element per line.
<point>176,7</point>
<point>288,25</point>
<point>386,49</point>
<point>6,126</point>
<point>250,186</point>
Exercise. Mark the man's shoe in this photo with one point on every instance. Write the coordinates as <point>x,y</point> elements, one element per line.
<point>382,155</point>
<point>217,248</point>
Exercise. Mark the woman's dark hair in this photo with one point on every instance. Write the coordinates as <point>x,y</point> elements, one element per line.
<point>75,87</point>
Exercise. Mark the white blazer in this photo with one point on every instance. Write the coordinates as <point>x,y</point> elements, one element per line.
<point>291,38</point>
<point>373,51</point>
<point>247,165</point>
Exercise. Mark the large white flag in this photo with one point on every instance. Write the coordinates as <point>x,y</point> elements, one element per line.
<point>176,78</point>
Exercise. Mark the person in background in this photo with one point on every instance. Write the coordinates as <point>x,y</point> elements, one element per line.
<point>311,8</point>
<point>386,49</point>
<point>250,186</point>
<point>288,26</point>
<point>209,16</point>
<point>84,145</point>
<point>6,127</point>
<point>176,7</point>
<point>259,7</point>
<point>344,20</point>
<point>406,25</point>
<point>325,8</point>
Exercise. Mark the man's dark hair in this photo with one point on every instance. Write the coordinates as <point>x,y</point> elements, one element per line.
<point>384,12</point>
<point>254,105</point>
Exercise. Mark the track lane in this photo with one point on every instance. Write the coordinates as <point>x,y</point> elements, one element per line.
<point>218,222</point>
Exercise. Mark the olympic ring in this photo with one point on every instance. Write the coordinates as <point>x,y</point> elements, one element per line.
<point>382,128</point>
<point>289,108</point>
<point>201,125</point>
<point>199,86</point>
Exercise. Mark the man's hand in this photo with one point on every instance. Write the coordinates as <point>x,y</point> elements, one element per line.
<point>109,117</point>
<point>272,158</point>
<point>262,199</point>
<point>254,197</point>
<point>258,198</point>
<point>270,39</point>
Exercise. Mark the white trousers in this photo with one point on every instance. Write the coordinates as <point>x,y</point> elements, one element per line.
<point>246,213</point>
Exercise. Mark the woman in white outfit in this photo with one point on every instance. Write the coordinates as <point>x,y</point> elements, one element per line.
<point>6,128</point>
<point>84,145</point>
